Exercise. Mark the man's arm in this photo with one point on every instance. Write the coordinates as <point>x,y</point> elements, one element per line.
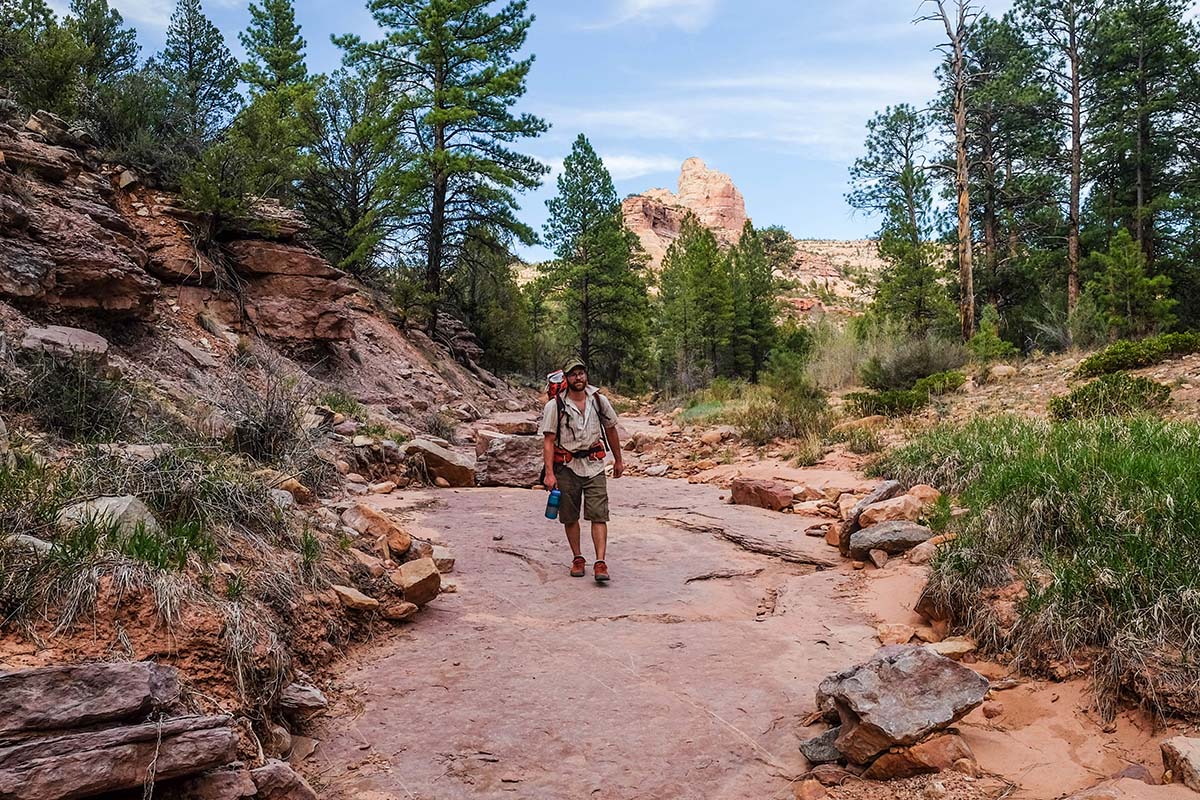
<point>614,441</point>
<point>551,481</point>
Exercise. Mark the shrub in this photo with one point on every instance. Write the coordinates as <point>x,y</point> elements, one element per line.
<point>1098,520</point>
<point>896,403</point>
<point>1127,354</point>
<point>765,419</point>
<point>863,441</point>
<point>808,450</point>
<point>1118,394</point>
<point>912,360</point>
<point>341,403</point>
<point>77,398</point>
<point>268,410</point>
<point>941,383</point>
<point>986,345</point>
<point>441,425</point>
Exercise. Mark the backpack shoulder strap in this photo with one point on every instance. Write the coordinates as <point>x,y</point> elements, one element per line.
<point>562,409</point>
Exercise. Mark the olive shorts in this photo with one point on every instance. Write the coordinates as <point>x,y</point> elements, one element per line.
<point>591,493</point>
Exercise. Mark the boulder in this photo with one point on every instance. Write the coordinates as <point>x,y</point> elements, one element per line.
<point>821,749</point>
<point>63,341</point>
<point>299,698</point>
<point>59,698</point>
<point>925,493</point>
<point>127,514</point>
<point>935,755</point>
<point>771,495</point>
<point>354,599</point>
<point>892,538</point>
<point>50,127</point>
<point>897,699</point>
<point>419,580</point>
<point>372,564</point>
<point>902,508</point>
<point>896,633</point>
<point>456,469</point>
<point>511,461</point>
<point>375,524</point>
<point>884,491</point>
<point>276,780</point>
<point>1181,756</point>
<point>233,783</point>
<point>803,493</point>
<point>116,759</point>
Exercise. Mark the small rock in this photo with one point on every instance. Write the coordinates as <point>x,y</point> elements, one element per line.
<point>354,599</point>
<point>712,438</point>
<point>821,749</point>
<point>1001,372</point>
<point>993,709</point>
<point>934,755</point>
<point>1181,757</point>
<point>657,471</point>
<point>127,178</point>
<point>384,487</point>
<point>354,477</point>
<point>347,428</point>
<point>879,558</point>
<point>278,781</point>
<point>64,341</point>
<point>399,611</point>
<point>925,493</point>
<point>935,790</point>
<point>343,467</point>
<point>282,499</point>
<point>419,580</point>
<point>903,508</point>
<point>810,789</point>
<point>372,564</point>
<point>441,482</point>
<point>806,493</point>
<point>443,558</point>
<point>363,441</point>
<point>127,514</point>
<point>954,647</point>
<point>863,424</point>
<point>895,634</point>
<point>279,740</point>
<point>771,495</point>
<point>300,698</point>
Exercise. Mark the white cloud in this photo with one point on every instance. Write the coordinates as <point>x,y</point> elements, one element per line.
<point>153,13</point>
<point>625,167</point>
<point>688,15</point>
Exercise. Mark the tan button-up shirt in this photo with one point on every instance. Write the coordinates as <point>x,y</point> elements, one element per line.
<point>581,429</point>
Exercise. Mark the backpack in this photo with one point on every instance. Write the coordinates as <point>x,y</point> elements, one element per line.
<point>556,384</point>
<point>556,389</point>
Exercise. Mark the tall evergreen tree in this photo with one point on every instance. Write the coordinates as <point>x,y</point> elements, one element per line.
<point>453,68</point>
<point>696,307</point>
<point>597,274</point>
<point>112,48</point>
<point>1132,302</point>
<point>342,190</point>
<point>202,73</point>
<point>891,181</point>
<point>40,58</point>
<point>752,331</point>
<point>274,47</point>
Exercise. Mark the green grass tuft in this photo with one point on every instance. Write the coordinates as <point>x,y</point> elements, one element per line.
<point>1119,394</point>
<point>1126,355</point>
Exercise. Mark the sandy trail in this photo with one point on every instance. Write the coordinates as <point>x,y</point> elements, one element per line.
<point>686,677</point>
<point>529,683</point>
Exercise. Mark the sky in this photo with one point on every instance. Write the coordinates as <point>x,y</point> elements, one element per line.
<point>775,93</point>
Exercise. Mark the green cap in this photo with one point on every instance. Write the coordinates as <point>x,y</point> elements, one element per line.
<point>573,363</point>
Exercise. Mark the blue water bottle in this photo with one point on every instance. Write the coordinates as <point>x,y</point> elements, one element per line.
<point>552,504</point>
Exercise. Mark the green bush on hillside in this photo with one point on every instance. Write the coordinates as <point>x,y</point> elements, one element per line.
<point>898,403</point>
<point>912,360</point>
<point>1099,520</point>
<point>1119,394</point>
<point>1129,354</point>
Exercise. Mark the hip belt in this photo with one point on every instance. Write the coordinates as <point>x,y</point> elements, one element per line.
<point>596,452</point>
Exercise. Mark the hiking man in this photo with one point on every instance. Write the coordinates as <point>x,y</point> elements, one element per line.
<point>578,427</point>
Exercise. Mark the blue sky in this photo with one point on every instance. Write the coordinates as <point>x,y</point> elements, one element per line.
<point>774,92</point>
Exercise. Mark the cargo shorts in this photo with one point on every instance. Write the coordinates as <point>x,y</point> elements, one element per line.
<point>590,493</point>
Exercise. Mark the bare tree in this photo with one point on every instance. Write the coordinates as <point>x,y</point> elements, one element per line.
<point>958,19</point>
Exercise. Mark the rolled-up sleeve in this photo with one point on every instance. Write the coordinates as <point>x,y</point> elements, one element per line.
<point>608,414</point>
<point>549,419</point>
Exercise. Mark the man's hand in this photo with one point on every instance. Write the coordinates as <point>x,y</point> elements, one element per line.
<point>618,467</point>
<point>551,482</point>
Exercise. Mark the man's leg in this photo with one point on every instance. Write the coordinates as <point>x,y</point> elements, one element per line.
<point>573,532</point>
<point>568,514</point>
<point>599,538</point>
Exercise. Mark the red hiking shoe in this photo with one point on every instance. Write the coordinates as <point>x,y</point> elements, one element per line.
<point>600,572</point>
<point>578,567</point>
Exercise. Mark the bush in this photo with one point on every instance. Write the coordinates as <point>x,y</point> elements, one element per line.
<point>912,360</point>
<point>1098,521</point>
<point>765,419</point>
<point>941,383</point>
<point>986,346</point>
<point>268,410</point>
<point>1119,394</point>
<point>77,398</point>
<point>862,441</point>
<point>896,403</point>
<point>341,403</point>
<point>1127,354</point>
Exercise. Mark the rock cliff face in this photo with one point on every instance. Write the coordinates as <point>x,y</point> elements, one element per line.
<point>657,215</point>
<point>821,271</point>
<point>76,235</point>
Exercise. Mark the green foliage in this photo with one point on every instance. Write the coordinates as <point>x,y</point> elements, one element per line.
<point>41,59</point>
<point>112,48</point>
<point>78,398</point>
<point>754,308</point>
<point>986,346</point>
<point>940,383</point>
<point>792,408</point>
<point>597,276</point>
<point>202,74</point>
<point>912,359</point>
<point>133,119</point>
<point>779,247</point>
<point>863,441</point>
<point>1133,304</point>
<point>1126,355</point>
<point>1098,519</point>
<point>452,70</point>
<point>342,403</point>
<point>483,289</point>
<point>274,48</point>
<point>1118,394</point>
<point>890,403</point>
<point>695,308</point>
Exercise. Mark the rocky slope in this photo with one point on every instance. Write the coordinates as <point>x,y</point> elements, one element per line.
<point>822,272</point>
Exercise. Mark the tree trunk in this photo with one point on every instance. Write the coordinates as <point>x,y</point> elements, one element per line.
<point>1076,170</point>
<point>991,225</point>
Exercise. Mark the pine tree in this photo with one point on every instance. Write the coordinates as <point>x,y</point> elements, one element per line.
<point>484,291</point>
<point>274,47</point>
<point>40,59</point>
<point>696,307</point>
<point>890,181</point>
<point>752,331</point>
<point>342,190</point>
<point>1133,303</point>
<point>112,49</point>
<point>597,273</point>
<point>453,67</point>
<point>202,73</point>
